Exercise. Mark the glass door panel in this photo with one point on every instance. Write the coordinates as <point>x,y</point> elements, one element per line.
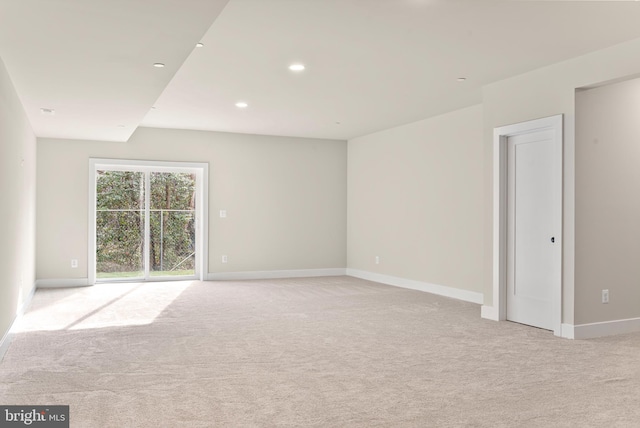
<point>172,224</point>
<point>120,224</point>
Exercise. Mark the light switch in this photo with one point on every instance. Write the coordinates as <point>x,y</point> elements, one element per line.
<point>223,213</point>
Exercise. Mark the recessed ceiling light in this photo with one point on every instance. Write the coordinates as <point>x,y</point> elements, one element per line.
<point>296,67</point>
<point>158,65</point>
<point>199,44</point>
<point>48,111</point>
<point>242,104</point>
<point>461,79</point>
<point>121,126</point>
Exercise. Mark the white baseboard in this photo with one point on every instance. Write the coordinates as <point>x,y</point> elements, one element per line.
<point>600,329</point>
<point>274,274</point>
<point>489,313</point>
<point>567,331</point>
<point>62,283</point>
<point>27,302</point>
<point>8,335</point>
<point>6,340</point>
<point>441,290</point>
<point>583,331</point>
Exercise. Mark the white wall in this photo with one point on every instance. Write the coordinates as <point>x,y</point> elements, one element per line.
<point>547,92</point>
<point>416,201</point>
<point>608,202</point>
<point>17,209</point>
<point>285,198</point>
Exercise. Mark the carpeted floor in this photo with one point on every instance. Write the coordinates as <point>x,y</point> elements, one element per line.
<point>319,352</point>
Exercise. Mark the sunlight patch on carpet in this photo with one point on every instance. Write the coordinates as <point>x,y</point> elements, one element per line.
<point>100,306</point>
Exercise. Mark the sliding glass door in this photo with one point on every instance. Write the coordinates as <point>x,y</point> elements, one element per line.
<point>146,221</point>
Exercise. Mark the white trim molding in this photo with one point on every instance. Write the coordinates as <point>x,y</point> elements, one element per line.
<point>489,313</point>
<point>500,136</point>
<point>568,331</point>
<point>8,335</point>
<point>440,290</point>
<point>274,274</point>
<point>6,340</point>
<point>601,329</point>
<point>63,283</point>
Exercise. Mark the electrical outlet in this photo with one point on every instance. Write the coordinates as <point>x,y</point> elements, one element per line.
<point>605,296</point>
<point>377,260</point>
<point>74,263</point>
<point>224,259</point>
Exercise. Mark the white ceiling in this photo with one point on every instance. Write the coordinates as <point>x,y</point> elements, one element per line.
<point>92,60</point>
<point>371,64</point>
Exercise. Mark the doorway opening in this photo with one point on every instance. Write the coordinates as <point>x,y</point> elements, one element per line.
<point>147,220</point>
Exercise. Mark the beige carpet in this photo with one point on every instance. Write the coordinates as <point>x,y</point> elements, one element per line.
<point>323,352</point>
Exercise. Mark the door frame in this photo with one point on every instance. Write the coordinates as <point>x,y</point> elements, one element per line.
<point>202,216</point>
<point>498,310</point>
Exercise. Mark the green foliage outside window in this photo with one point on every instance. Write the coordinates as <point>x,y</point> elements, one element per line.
<point>120,218</point>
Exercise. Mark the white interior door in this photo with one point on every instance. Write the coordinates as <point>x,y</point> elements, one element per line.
<point>533,249</point>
